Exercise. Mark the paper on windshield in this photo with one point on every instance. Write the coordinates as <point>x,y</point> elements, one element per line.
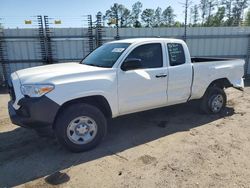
<point>118,50</point>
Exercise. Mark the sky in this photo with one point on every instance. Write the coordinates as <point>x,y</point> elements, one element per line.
<point>13,13</point>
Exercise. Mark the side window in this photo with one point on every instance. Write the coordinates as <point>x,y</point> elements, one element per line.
<point>176,54</point>
<point>149,54</point>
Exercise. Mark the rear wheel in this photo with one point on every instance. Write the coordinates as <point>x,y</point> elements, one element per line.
<point>214,100</point>
<point>80,127</point>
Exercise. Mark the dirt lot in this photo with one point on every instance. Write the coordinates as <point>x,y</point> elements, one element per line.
<point>169,147</point>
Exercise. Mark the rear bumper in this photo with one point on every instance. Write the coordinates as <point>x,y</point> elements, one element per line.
<point>34,112</point>
<point>238,84</point>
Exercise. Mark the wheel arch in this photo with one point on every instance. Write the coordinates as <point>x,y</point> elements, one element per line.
<point>221,83</point>
<point>98,101</point>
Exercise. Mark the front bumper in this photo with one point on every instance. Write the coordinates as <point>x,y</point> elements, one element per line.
<point>34,112</point>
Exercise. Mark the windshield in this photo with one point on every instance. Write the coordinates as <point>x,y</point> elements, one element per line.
<point>106,55</point>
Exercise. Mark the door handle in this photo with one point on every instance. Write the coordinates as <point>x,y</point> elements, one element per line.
<point>161,75</point>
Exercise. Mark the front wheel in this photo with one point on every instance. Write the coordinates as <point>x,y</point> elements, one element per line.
<point>80,127</point>
<point>214,100</point>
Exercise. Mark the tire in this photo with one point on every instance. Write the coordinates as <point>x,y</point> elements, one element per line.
<point>213,101</point>
<point>80,127</point>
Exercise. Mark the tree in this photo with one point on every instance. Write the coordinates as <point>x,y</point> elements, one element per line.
<point>111,15</point>
<point>194,15</point>
<point>157,17</point>
<point>136,10</point>
<point>211,5</point>
<point>247,19</point>
<point>178,24</point>
<point>217,19</point>
<point>168,16</point>
<point>237,12</point>
<point>125,18</point>
<point>228,11</point>
<point>118,13</point>
<point>147,17</point>
<point>190,16</point>
<point>204,10</point>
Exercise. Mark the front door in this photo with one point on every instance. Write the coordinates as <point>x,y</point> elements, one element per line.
<point>144,87</point>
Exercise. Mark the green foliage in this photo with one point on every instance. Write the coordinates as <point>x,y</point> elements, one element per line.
<point>204,9</point>
<point>158,17</point>
<point>217,19</point>
<point>210,13</point>
<point>237,11</point>
<point>135,15</point>
<point>234,10</point>
<point>147,17</point>
<point>194,15</point>
<point>228,4</point>
<point>247,19</point>
<point>168,16</point>
<point>118,13</point>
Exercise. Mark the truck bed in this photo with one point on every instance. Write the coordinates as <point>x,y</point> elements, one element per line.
<point>206,70</point>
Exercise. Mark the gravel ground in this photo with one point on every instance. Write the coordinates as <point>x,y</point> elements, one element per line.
<point>169,147</point>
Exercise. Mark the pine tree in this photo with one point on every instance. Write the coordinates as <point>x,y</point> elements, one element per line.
<point>217,19</point>
<point>147,17</point>
<point>211,5</point>
<point>194,15</point>
<point>118,13</point>
<point>168,16</point>
<point>136,10</point>
<point>204,10</point>
<point>237,12</point>
<point>157,17</point>
<point>247,18</point>
<point>228,11</point>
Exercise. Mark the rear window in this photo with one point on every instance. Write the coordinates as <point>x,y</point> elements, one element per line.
<point>176,54</point>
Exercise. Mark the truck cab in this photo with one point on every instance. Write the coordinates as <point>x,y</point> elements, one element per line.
<point>162,76</point>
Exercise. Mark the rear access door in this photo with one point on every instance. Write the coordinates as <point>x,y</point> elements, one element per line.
<point>180,73</point>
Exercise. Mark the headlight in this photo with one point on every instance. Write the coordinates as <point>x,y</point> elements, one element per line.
<point>36,90</point>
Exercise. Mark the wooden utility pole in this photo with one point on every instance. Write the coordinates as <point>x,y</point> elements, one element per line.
<point>186,13</point>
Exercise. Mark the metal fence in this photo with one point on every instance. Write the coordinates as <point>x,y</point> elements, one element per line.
<point>22,48</point>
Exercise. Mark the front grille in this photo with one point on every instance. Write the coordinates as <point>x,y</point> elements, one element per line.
<point>11,92</point>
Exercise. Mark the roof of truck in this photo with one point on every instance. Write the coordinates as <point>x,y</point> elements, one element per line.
<point>138,40</point>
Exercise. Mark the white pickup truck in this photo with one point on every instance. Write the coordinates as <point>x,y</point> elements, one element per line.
<point>118,78</point>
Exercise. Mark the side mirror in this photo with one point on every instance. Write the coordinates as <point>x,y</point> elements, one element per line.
<point>131,64</point>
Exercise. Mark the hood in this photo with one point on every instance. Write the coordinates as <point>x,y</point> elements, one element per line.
<point>50,73</point>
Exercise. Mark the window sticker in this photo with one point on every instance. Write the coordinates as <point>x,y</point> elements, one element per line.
<point>118,50</point>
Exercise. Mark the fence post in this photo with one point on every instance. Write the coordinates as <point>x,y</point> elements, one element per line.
<point>42,38</point>
<point>49,53</point>
<point>3,56</point>
<point>117,37</point>
<point>90,33</point>
<point>185,26</point>
<point>247,57</point>
<point>99,31</point>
